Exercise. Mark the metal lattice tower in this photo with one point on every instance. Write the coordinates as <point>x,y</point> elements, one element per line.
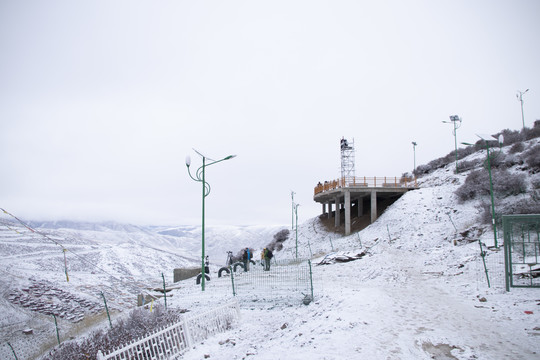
<point>347,160</point>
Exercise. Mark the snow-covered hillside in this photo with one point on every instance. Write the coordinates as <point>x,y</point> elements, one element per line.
<point>119,260</point>
<point>420,292</point>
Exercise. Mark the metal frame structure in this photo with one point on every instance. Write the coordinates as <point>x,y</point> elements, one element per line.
<point>347,159</point>
<point>522,250</point>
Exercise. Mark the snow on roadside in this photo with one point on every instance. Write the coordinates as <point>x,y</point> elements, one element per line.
<point>416,295</point>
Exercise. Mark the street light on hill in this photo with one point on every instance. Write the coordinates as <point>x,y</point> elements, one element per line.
<point>454,119</point>
<point>519,96</point>
<point>200,177</point>
<point>500,139</point>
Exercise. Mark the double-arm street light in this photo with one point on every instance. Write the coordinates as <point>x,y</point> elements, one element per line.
<point>200,177</point>
<point>454,119</point>
<point>519,96</point>
<point>500,139</point>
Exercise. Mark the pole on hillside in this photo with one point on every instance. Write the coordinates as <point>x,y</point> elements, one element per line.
<point>165,290</point>
<point>106,309</point>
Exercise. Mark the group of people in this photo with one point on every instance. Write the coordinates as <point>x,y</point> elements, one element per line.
<point>266,256</point>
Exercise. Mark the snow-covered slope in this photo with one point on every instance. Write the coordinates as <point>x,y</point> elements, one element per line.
<point>420,292</point>
<point>119,260</point>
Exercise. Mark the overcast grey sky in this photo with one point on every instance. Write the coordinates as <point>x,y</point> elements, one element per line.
<point>100,101</point>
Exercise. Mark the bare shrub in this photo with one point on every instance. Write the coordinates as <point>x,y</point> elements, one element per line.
<point>532,157</point>
<point>464,152</point>
<point>498,159</point>
<point>468,165</point>
<point>477,184</point>
<point>533,133</point>
<point>517,148</point>
<point>139,323</point>
<point>511,137</point>
<point>422,170</point>
<point>535,182</point>
<point>507,184</point>
<point>485,212</point>
<point>277,243</point>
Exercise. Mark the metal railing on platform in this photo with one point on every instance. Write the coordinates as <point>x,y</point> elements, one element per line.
<point>366,181</point>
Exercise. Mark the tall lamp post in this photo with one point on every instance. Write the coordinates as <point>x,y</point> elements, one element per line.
<point>200,177</point>
<point>414,155</point>
<point>292,213</point>
<point>500,139</point>
<point>296,213</point>
<point>455,119</point>
<point>519,96</point>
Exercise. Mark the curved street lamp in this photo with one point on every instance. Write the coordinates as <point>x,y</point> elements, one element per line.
<point>200,177</point>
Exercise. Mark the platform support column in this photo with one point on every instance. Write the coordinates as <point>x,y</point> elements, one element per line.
<point>373,206</point>
<point>329,210</point>
<point>337,218</point>
<point>347,212</point>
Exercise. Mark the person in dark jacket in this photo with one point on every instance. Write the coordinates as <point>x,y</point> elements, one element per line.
<point>246,258</point>
<point>267,256</point>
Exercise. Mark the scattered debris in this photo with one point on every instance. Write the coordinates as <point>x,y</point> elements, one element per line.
<point>342,257</point>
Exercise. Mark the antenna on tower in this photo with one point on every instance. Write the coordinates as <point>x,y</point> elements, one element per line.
<point>347,160</point>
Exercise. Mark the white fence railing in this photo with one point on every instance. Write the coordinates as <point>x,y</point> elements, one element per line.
<point>174,340</point>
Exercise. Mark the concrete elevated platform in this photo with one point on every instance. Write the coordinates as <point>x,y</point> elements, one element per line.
<point>342,193</point>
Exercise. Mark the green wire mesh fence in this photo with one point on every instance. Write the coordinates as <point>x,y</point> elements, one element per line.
<point>287,282</point>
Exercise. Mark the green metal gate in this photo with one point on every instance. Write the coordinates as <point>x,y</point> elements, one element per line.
<point>521,250</point>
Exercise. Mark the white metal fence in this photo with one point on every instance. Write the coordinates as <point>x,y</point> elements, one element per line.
<point>174,340</point>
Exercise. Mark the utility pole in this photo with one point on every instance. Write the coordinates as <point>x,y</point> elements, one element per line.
<point>292,214</point>
<point>454,119</point>
<point>519,96</point>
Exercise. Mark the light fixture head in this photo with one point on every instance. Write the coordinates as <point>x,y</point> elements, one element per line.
<point>188,160</point>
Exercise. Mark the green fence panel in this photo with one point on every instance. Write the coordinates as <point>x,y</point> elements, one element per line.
<point>521,250</point>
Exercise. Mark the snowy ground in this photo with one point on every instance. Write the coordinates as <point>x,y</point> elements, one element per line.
<point>419,293</point>
<point>415,296</point>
